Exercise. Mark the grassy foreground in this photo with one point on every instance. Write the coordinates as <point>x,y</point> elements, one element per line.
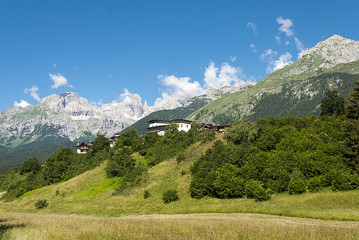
<point>193,226</point>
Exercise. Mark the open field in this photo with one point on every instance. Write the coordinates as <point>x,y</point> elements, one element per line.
<point>91,194</point>
<point>192,226</point>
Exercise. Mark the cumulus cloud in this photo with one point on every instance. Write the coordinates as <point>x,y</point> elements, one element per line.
<point>233,58</point>
<point>277,38</point>
<point>275,63</point>
<point>252,26</point>
<point>225,75</point>
<point>180,88</point>
<point>33,93</point>
<point>22,104</point>
<point>59,80</point>
<point>285,26</point>
<point>282,61</point>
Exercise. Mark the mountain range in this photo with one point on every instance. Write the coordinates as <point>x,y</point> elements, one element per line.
<point>61,120</point>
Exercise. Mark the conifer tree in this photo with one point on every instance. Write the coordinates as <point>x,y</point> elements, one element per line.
<point>351,142</point>
<point>332,103</point>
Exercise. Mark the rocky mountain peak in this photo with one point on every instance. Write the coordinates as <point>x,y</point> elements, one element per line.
<point>334,50</point>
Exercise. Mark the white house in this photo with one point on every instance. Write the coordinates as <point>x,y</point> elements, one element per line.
<point>159,126</point>
<point>83,147</point>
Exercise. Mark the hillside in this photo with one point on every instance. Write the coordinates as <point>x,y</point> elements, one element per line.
<point>91,194</point>
<point>293,90</point>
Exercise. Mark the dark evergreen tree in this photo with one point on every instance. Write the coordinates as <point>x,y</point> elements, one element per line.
<point>351,142</point>
<point>332,103</point>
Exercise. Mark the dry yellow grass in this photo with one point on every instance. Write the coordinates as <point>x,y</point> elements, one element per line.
<point>192,226</point>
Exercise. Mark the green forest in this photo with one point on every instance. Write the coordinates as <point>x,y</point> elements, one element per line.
<point>254,159</point>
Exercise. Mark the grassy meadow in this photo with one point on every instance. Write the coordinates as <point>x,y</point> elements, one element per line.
<point>193,226</point>
<point>85,207</point>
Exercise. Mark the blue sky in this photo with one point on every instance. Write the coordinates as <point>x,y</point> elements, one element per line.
<point>156,49</point>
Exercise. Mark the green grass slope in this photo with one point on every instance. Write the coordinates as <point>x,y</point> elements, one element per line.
<point>91,193</point>
<point>284,86</point>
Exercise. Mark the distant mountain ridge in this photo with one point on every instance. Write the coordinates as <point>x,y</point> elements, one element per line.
<point>293,90</point>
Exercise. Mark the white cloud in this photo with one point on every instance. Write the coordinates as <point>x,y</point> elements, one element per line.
<point>59,80</point>
<point>33,93</point>
<point>225,75</point>
<point>178,91</point>
<point>281,62</point>
<point>287,43</point>
<point>286,25</point>
<point>274,63</point>
<point>277,38</point>
<point>253,47</point>
<point>299,46</point>
<point>268,55</point>
<point>252,26</point>
<point>233,58</point>
<point>22,104</point>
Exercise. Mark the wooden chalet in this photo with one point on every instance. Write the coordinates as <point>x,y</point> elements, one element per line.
<point>217,128</point>
<point>83,147</point>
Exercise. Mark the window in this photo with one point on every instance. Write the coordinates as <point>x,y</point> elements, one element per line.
<point>181,125</point>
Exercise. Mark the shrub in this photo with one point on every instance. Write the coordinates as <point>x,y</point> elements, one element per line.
<point>146,194</point>
<point>133,178</point>
<point>254,189</point>
<point>297,186</point>
<point>345,181</point>
<point>180,157</point>
<point>170,196</point>
<point>41,203</point>
<point>314,184</point>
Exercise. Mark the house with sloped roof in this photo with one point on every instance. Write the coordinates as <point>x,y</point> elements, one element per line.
<point>159,126</point>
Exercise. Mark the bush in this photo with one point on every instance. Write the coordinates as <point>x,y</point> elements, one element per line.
<point>41,203</point>
<point>297,186</point>
<point>180,157</point>
<point>314,184</point>
<point>254,189</point>
<point>119,164</point>
<point>345,181</point>
<point>146,194</point>
<point>133,178</point>
<point>170,196</point>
